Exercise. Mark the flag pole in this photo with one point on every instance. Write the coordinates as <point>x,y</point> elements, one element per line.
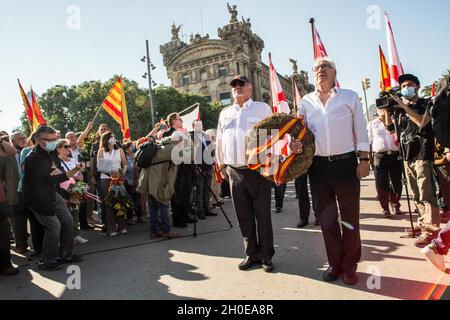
<point>189,108</point>
<point>312,21</point>
<point>294,95</point>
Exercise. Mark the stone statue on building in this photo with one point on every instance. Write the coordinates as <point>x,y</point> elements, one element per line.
<point>234,13</point>
<point>175,32</point>
<point>294,66</point>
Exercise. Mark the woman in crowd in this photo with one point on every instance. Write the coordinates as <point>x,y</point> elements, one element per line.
<point>111,160</point>
<point>6,267</point>
<point>68,163</point>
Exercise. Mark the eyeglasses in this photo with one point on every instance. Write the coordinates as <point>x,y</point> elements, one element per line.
<point>66,147</point>
<point>322,66</point>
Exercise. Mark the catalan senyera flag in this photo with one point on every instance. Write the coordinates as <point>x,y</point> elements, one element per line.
<point>116,106</point>
<point>385,76</point>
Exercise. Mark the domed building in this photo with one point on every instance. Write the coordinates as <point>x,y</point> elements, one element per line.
<point>206,66</point>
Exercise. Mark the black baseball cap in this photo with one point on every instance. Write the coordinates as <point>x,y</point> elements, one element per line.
<point>239,79</point>
<point>409,77</point>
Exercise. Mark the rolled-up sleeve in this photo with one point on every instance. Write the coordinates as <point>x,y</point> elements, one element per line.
<point>219,149</point>
<point>360,126</point>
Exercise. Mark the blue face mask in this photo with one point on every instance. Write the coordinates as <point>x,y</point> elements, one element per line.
<point>51,146</point>
<point>409,92</point>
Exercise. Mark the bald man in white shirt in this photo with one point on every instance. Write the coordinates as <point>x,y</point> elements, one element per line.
<point>336,118</point>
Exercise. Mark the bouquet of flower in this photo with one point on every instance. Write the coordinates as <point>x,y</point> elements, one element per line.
<point>118,198</point>
<point>78,191</point>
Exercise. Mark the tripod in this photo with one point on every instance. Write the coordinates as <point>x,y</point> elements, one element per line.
<point>198,171</point>
<point>401,157</point>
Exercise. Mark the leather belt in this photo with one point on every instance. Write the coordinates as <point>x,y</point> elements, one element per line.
<point>337,157</point>
<point>239,168</point>
<point>388,153</point>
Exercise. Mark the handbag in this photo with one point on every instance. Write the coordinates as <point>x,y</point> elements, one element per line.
<point>105,166</point>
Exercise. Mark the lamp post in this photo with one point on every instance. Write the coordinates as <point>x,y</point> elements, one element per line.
<point>148,75</point>
<point>366,86</point>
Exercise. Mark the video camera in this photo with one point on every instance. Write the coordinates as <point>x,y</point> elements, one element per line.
<point>385,101</point>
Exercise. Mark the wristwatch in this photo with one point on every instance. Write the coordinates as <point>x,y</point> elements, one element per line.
<point>364,159</point>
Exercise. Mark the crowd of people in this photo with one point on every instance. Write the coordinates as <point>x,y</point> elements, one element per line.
<point>49,191</point>
<point>47,184</point>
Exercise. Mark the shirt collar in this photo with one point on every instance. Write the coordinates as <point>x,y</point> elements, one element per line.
<point>246,104</point>
<point>335,90</point>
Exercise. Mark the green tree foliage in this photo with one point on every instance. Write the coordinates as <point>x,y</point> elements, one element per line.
<point>71,108</point>
<point>426,91</point>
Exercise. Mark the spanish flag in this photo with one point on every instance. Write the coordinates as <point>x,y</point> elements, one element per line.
<point>116,105</point>
<point>385,76</point>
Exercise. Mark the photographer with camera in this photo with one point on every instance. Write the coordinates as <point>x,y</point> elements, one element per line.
<point>417,143</point>
<point>388,166</point>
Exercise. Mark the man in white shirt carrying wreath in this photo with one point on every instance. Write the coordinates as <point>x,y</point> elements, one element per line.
<point>336,118</point>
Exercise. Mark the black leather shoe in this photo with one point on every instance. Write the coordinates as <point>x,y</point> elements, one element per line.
<point>332,274</point>
<point>70,259</point>
<point>279,210</point>
<point>317,222</point>
<point>248,263</point>
<point>302,224</point>
<point>350,278</point>
<point>267,266</point>
<point>211,214</point>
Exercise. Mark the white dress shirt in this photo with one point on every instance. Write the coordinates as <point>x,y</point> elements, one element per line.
<point>380,138</point>
<point>339,126</point>
<point>235,124</point>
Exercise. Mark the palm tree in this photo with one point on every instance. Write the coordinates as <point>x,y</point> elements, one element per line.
<point>426,91</point>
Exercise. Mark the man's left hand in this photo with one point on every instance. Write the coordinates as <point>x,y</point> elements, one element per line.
<point>363,170</point>
<point>296,147</point>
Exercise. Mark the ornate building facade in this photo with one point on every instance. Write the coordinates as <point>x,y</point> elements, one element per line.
<point>206,66</point>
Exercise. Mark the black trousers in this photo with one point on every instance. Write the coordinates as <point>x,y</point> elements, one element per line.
<point>388,177</point>
<point>181,201</point>
<point>280,192</point>
<point>304,203</point>
<point>251,194</point>
<point>335,188</point>
<point>37,232</point>
<point>203,177</point>
<point>5,228</point>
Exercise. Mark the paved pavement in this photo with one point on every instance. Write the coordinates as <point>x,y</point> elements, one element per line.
<point>134,267</point>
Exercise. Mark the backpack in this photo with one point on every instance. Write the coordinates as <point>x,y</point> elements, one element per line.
<point>144,155</point>
<point>441,113</point>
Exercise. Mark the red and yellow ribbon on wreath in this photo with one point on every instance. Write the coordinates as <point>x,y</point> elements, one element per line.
<point>279,176</point>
